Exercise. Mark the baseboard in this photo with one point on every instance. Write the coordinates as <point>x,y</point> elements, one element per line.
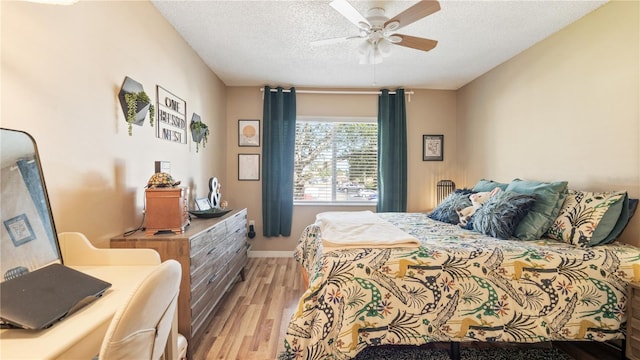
<point>271,254</point>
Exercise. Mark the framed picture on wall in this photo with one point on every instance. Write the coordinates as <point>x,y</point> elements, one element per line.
<point>248,132</point>
<point>19,229</point>
<point>432,147</point>
<point>248,166</point>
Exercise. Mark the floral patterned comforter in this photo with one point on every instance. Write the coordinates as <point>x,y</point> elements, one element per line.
<point>458,285</point>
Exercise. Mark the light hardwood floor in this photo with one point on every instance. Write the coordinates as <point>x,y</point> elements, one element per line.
<point>250,321</point>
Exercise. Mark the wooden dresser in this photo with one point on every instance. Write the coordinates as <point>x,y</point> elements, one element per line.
<point>213,252</point>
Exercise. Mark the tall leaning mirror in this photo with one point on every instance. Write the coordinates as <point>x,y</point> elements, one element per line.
<point>28,235</point>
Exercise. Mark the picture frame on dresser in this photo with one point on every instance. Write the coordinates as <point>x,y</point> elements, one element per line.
<point>203,204</point>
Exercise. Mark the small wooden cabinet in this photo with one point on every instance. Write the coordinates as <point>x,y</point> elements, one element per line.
<point>633,322</point>
<point>213,253</point>
<point>166,210</point>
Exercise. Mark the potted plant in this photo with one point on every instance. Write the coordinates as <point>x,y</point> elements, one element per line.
<point>138,104</point>
<point>199,133</point>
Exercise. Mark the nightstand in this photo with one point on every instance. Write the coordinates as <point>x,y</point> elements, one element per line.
<point>633,322</point>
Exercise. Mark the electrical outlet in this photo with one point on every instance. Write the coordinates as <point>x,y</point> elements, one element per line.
<point>252,223</point>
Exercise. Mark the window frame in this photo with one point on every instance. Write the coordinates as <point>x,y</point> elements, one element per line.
<point>353,119</point>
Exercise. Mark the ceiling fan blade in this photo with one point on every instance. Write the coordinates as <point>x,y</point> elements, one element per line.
<point>416,42</point>
<point>333,40</point>
<point>416,12</point>
<point>349,12</point>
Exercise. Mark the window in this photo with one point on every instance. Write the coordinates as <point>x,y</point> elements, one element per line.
<point>336,160</point>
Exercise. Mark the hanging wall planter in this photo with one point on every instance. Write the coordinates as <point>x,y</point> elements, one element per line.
<point>199,131</point>
<point>135,103</point>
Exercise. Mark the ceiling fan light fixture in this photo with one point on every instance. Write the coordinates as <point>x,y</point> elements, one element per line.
<point>364,48</point>
<point>394,39</point>
<point>384,47</point>
<point>370,53</point>
<point>392,26</point>
<point>364,26</point>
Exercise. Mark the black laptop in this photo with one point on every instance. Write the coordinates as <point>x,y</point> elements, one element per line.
<point>38,299</point>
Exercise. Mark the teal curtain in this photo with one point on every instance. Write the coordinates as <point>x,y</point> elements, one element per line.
<point>279,131</point>
<point>392,152</point>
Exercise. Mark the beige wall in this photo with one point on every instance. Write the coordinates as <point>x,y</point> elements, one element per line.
<point>565,109</point>
<point>428,112</point>
<point>62,68</point>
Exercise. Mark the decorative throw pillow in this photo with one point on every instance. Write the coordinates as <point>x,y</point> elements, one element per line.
<point>623,221</point>
<point>549,199</point>
<point>500,216</point>
<point>589,218</point>
<point>488,185</point>
<point>633,205</point>
<point>446,210</point>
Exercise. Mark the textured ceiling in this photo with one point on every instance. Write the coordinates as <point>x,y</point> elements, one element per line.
<point>256,43</point>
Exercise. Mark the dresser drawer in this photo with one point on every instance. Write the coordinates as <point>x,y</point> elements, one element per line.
<point>633,338</point>
<point>235,241</point>
<point>633,322</point>
<point>202,307</point>
<point>239,260</point>
<point>203,274</point>
<point>201,243</point>
<point>237,220</point>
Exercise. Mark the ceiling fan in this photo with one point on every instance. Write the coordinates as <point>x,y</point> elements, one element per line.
<point>379,32</point>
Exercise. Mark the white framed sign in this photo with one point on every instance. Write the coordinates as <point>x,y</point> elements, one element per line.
<point>172,117</point>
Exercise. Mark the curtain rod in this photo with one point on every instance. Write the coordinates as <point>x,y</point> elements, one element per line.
<point>338,92</point>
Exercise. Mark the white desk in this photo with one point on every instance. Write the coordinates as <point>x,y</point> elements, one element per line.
<point>80,335</point>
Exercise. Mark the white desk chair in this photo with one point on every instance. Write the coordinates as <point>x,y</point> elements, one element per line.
<point>140,329</point>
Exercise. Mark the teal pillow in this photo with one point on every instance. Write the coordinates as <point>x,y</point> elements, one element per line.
<point>502,213</point>
<point>549,199</point>
<point>618,218</point>
<point>488,185</point>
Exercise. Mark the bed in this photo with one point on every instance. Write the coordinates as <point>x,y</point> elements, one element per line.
<point>456,285</point>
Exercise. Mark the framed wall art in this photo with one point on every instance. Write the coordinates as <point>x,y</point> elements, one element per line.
<point>248,132</point>
<point>248,166</point>
<point>172,116</point>
<point>19,229</point>
<point>432,147</point>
